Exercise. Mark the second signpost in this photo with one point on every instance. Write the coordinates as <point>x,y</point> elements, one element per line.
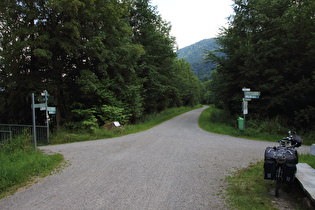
<point>248,96</point>
<point>42,107</point>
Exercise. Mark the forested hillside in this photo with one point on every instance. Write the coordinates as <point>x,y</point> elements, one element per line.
<point>102,60</point>
<point>195,55</point>
<point>269,47</point>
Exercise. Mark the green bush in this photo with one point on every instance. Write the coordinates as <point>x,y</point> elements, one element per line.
<point>221,117</point>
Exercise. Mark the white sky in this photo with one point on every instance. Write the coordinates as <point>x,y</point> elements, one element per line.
<point>194,20</point>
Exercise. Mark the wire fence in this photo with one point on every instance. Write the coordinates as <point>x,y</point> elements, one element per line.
<point>10,131</point>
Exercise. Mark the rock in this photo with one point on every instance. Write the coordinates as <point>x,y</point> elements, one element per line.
<point>112,125</point>
<point>312,150</point>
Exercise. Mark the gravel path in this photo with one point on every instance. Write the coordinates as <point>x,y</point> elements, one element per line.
<point>174,165</point>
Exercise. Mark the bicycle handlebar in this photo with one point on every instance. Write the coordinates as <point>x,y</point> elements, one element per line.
<point>291,139</point>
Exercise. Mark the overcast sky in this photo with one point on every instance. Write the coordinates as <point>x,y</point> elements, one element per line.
<point>194,20</point>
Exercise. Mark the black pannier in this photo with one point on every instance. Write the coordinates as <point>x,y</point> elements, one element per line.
<point>291,156</point>
<point>270,163</point>
<point>270,169</point>
<point>289,170</point>
<point>270,153</point>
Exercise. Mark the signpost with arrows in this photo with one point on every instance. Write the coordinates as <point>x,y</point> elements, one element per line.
<point>42,107</point>
<point>248,96</point>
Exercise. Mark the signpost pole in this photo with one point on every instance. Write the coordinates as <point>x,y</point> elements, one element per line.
<point>47,116</point>
<point>34,121</point>
<point>248,95</point>
<point>44,107</point>
<point>244,122</point>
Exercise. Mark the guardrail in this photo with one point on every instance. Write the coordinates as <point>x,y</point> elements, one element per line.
<point>9,131</point>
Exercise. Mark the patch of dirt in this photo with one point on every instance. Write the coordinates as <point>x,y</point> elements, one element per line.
<point>288,199</point>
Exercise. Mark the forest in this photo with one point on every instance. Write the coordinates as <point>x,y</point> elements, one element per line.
<point>269,47</point>
<point>105,60</point>
<point>100,60</point>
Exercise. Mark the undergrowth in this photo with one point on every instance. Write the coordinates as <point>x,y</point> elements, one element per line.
<point>219,121</point>
<point>147,122</point>
<point>20,164</point>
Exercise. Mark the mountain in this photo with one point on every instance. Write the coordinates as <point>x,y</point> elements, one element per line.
<point>195,54</point>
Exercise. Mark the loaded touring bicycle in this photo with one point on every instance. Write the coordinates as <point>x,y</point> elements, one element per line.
<point>280,162</point>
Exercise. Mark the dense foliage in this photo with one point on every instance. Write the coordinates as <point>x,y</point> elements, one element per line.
<point>100,59</point>
<point>269,47</point>
<point>195,55</point>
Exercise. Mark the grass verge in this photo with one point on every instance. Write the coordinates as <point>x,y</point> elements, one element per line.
<point>217,121</point>
<point>66,136</point>
<point>247,188</point>
<point>307,158</point>
<point>21,165</point>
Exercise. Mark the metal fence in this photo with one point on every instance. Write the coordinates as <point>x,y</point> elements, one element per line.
<point>9,131</point>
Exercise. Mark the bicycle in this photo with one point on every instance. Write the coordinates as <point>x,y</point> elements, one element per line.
<point>280,162</point>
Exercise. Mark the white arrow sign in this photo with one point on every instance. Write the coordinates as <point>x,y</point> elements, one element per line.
<point>252,94</point>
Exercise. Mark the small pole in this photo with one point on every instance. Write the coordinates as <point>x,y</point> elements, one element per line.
<point>34,121</point>
<point>244,122</point>
<point>47,116</point>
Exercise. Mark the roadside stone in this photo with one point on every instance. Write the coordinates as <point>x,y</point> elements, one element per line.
<point>312,150</point>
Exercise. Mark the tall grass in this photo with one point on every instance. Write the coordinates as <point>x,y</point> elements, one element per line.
<point>19,163</point>
<point>147,122</point>
<point>307,158</point>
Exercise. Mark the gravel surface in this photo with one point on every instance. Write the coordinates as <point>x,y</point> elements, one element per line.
<point>175,165</point>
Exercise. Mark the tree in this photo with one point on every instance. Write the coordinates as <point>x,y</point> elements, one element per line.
<point>267,48</point>
<point>153,34</point>
<point>19,73</point>
<point>100,59</point>
<point>80,51</point>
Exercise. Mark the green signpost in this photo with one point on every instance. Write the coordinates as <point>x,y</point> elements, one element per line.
<point>42,107</point>
<point>248,96</point>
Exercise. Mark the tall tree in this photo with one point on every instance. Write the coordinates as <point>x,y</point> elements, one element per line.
<point>19,73</point>
<point>268,48</point>
<point>100,59</point>
<point>80,51</point>
<point>153,34</point>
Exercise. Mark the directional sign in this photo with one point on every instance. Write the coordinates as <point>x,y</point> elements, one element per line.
<point>252,94</point>
<point>245,89</point>
<point>45,93</point>
<point>39,105</point>
<point>51,109</point>
<point>245,107</point>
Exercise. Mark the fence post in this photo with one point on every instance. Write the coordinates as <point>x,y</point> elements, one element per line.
<point>34,122</point>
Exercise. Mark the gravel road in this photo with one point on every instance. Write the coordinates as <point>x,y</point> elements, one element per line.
<point>175,165</point>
